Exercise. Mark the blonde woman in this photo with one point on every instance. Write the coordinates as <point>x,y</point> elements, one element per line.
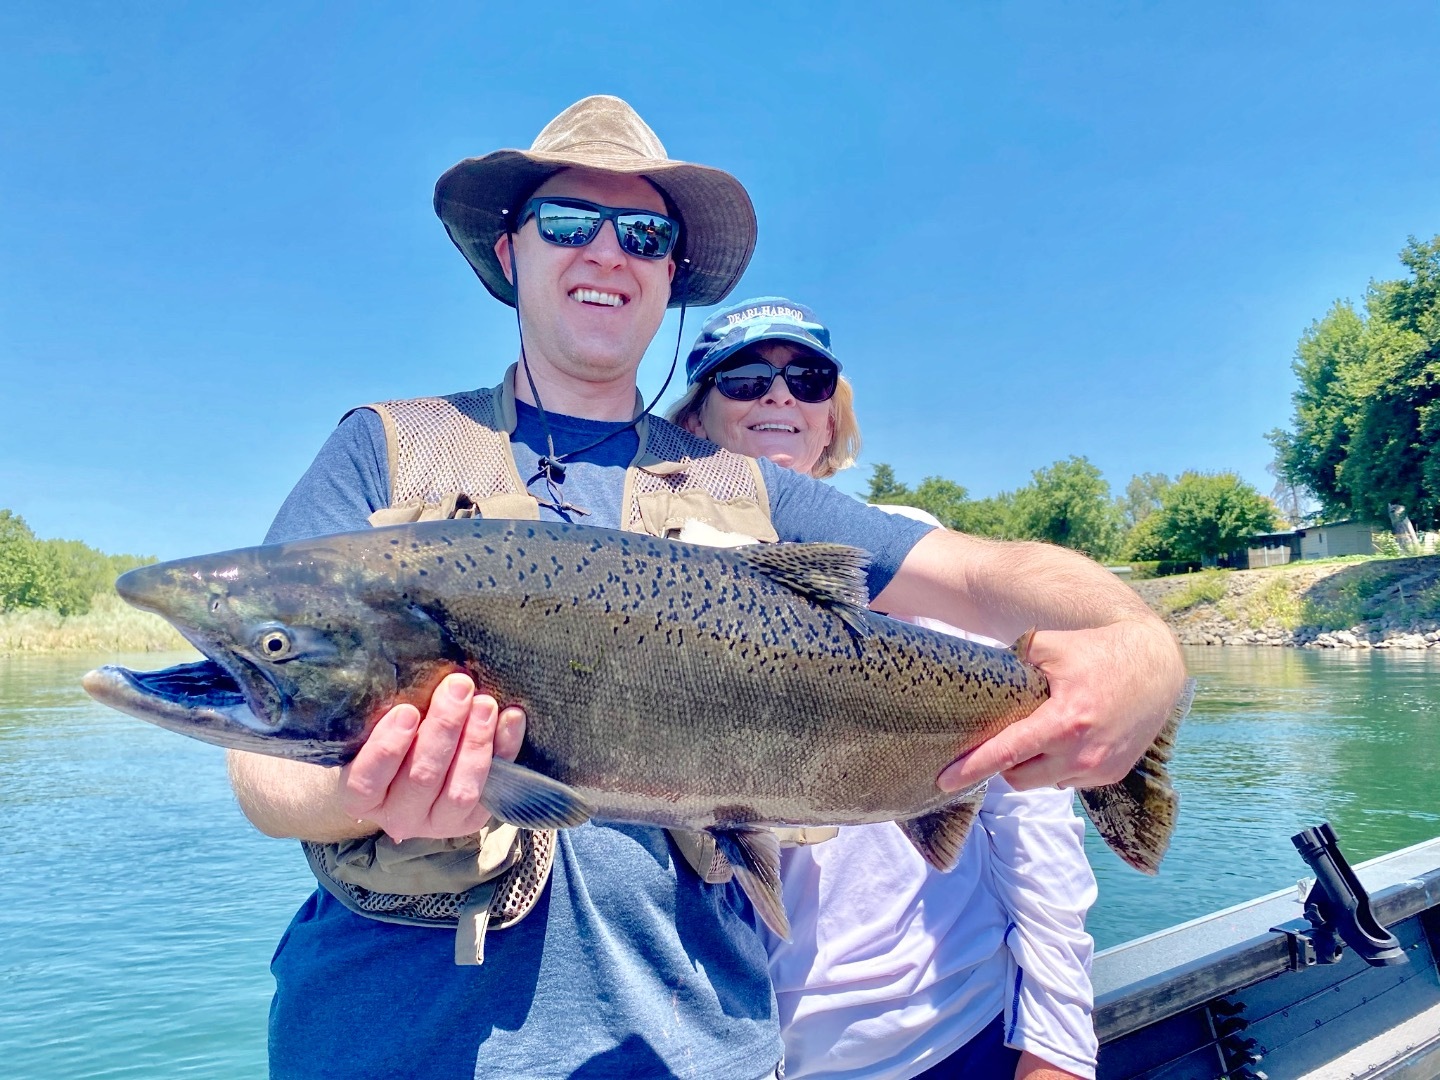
<point>894,970</point>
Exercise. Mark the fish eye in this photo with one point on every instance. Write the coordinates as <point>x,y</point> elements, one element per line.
<point>275,644</point>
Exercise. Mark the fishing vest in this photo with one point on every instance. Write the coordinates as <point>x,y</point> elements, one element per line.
<point>451,457</point>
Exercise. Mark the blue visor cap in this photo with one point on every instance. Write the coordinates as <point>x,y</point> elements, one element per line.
<point>765,318</point>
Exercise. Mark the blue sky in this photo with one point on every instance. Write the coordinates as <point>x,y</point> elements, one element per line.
<point>1036,230</point>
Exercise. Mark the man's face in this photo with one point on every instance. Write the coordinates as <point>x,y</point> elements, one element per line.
<point>589,312</point>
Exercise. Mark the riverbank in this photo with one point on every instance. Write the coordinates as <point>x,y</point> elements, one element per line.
<point>111,625</point>
<point>1338,604</point>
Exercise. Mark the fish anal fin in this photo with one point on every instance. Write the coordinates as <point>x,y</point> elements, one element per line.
<point>1136,816</point>
<point>940,835</point>
<point>754,854</point>
<point>520,796</point>
<point>703,855</point>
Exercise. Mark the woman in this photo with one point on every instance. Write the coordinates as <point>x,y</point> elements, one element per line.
<point>895,970</point>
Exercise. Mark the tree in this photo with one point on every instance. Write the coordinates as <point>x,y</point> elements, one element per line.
<point>1068,504</point>
<point>884,488</point>
<point>25,576</point>
<point>1295,504</point>
<point>1366,427</point>
<point>946,499</point>
<point>943,498</point>
<point>1204,516</point>
<point>991,516</point>
<point>62,575</point>
<point>1142,497</point>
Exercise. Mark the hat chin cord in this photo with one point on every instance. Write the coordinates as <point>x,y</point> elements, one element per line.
<point>552,465</point>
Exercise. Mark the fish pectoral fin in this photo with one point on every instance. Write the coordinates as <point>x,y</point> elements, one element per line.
<point>754,854</point>
<point>525,798</point>
<point>940,836</point>
<point>1136,816</point>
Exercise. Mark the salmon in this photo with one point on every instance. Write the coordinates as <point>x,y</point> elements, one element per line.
<point>664,683</point>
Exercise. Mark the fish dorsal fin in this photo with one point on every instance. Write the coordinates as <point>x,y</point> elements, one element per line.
<point>939,836</point>
<point>828,574</point>
<point>755,856</point>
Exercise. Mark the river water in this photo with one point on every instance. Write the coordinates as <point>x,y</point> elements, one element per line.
<point>138,910</point>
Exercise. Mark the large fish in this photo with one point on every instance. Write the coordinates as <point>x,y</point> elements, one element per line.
<point>663,683</point>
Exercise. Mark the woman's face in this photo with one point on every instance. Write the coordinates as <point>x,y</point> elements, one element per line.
<point>790,433</point>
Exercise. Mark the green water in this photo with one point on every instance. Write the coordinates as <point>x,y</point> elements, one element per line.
<point>138,910</point>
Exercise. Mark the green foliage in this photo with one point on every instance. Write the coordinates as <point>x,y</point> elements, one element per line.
<point>1202,516</point>
<point>1144,544</point>
<point>62,576</point>
<point>1143,496</point>
<point>947,500</point>
<point>1203,588</point>
<point>1277,602</point>
<point>1366,428</point>
<point>992,516</point>
<point>24,574</point>
<point>943,498</point>
<point>1068,504</point>
<point>884,488</point>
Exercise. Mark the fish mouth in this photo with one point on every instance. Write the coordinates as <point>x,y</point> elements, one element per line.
<point>204,701</point>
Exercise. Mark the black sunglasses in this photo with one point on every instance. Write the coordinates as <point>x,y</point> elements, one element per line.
<point>811,379</point>
<point>575,222</point>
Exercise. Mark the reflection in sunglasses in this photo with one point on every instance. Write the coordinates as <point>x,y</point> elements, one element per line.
<point>575,222</point>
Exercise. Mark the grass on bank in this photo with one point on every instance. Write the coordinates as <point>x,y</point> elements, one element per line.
<point>1209,586</point>
<point>1374,591</point>
<point>111,625</point>
<point>1276,603</point>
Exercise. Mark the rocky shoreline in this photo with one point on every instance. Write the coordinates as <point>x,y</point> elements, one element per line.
<point>1374,604</point>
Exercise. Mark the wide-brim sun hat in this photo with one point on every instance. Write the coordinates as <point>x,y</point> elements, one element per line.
<point>761,318</point>
<point>605,134</point>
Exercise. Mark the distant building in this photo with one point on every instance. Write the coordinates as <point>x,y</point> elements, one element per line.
<point>1269,549</point>
<point>1315,542</point>
<point>1339,538</point>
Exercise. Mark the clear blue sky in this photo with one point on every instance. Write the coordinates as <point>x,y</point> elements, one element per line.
<point>1035,229</point>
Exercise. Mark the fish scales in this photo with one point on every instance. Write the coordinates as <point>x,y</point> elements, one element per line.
<point>732,685</point>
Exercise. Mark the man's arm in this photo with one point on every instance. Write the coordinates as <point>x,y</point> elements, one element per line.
<point>1034,1068</point>
<point>1114,667</point>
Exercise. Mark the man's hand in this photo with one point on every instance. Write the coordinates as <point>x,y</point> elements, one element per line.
<point>1111,690</point>
<point>423,777</point>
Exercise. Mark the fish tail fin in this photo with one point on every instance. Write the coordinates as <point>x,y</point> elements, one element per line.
<point>939,836</point>
<point>755,856</point>
<point>1136,817</point>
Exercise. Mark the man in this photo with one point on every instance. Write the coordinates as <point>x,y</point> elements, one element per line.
<point>629,964</point>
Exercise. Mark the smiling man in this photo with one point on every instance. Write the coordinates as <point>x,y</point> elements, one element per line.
<point>608,950</point>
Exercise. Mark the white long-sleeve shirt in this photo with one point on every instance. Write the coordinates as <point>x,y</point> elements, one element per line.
<point>892,966</point>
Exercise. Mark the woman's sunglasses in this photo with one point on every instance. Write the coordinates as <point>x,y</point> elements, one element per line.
<point>575,222</point>
<point>811,380</point>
